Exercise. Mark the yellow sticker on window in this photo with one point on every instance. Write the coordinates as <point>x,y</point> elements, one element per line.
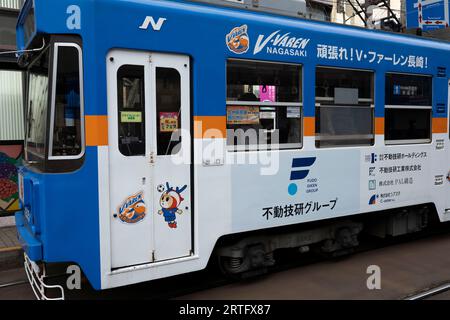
<point>131,117</point>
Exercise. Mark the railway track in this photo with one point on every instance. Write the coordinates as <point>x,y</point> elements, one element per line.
<point>13,284</point>
<point>430,292</point>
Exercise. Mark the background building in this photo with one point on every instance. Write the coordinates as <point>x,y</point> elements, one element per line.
<point>374,14</point>
<point>11,109</point>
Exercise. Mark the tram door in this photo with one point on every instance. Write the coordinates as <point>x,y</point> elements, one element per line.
<point>150,152</point>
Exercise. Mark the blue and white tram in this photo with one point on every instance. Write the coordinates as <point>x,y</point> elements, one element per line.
<point>156,129</point>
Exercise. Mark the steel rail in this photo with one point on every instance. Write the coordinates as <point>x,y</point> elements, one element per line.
<point>12,284</point>
<point>429,293</point>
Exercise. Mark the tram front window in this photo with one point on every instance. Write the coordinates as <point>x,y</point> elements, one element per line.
<point>66,137</point>
<point>54,140</point>
<point>37,107</point>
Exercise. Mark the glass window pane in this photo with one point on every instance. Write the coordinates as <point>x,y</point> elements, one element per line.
<point>67,116</point>
<point>345,115</point>
<point>266,122</point>
<point>263,82</point>
<point>412,90</point>
<point>29,27</point>
<point>168,109</point>
<point>260,125</point>
<point>131,107</point>
<point>344,126</point>
<point>8,31</point>
<point>331,85</point>
<point>408,124</point>
<point>37,106</point>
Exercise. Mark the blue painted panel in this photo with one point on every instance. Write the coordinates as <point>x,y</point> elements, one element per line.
<point>64,217</point>
<point>29,242</point>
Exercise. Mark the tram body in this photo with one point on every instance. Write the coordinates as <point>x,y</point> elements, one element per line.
<point>130,170</point>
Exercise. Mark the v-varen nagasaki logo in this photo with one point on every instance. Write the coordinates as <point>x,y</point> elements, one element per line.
<point>238,40</point>
<point>281,44</point>
<point>278,43</point>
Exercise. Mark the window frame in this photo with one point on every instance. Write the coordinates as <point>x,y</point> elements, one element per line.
<point>329,103</point>
<point>56,46</point>
<point>267,147</point>
<point>409,107</point>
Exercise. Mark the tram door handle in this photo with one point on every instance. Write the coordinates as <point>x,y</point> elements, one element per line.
<point>152,157</point>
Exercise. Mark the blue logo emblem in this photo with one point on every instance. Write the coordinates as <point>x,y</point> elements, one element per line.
<point>300,170</point>
<point>373,158</point>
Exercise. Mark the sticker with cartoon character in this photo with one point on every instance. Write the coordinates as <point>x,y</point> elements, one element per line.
<point>132,209</point>
<point>238,40</point>
<point>170,202</point>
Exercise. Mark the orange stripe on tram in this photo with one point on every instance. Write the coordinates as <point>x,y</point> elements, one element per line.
<point>309,124</point>
<point>379,125</point>
<point>96,130</point>
<point>440,125</point>
<point>210,127</point>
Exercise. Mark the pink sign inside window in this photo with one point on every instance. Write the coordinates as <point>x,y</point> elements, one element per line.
<point>267,93</point>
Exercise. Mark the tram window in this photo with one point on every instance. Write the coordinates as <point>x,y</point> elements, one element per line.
<point>66,140</point>
<point>408,109</point>
<point>263,105</point>
<point>408,90</point>
<point>408,125</point>
<point>37,93</point>
<point>344,107</point>
<point>131,106</point>
<point>168,109</point>
<point>263,81</point>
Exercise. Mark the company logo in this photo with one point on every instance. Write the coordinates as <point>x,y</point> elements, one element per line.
<point>372,184</point>
<point>132,209</point>
<point>300,170</point>
<point>372,171</point>
<point>238,40</point>
<point>373,199</point>
<point>281,44</point>
<point>150,21</point>
<point>372,158</point>
<point>439,180</point>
